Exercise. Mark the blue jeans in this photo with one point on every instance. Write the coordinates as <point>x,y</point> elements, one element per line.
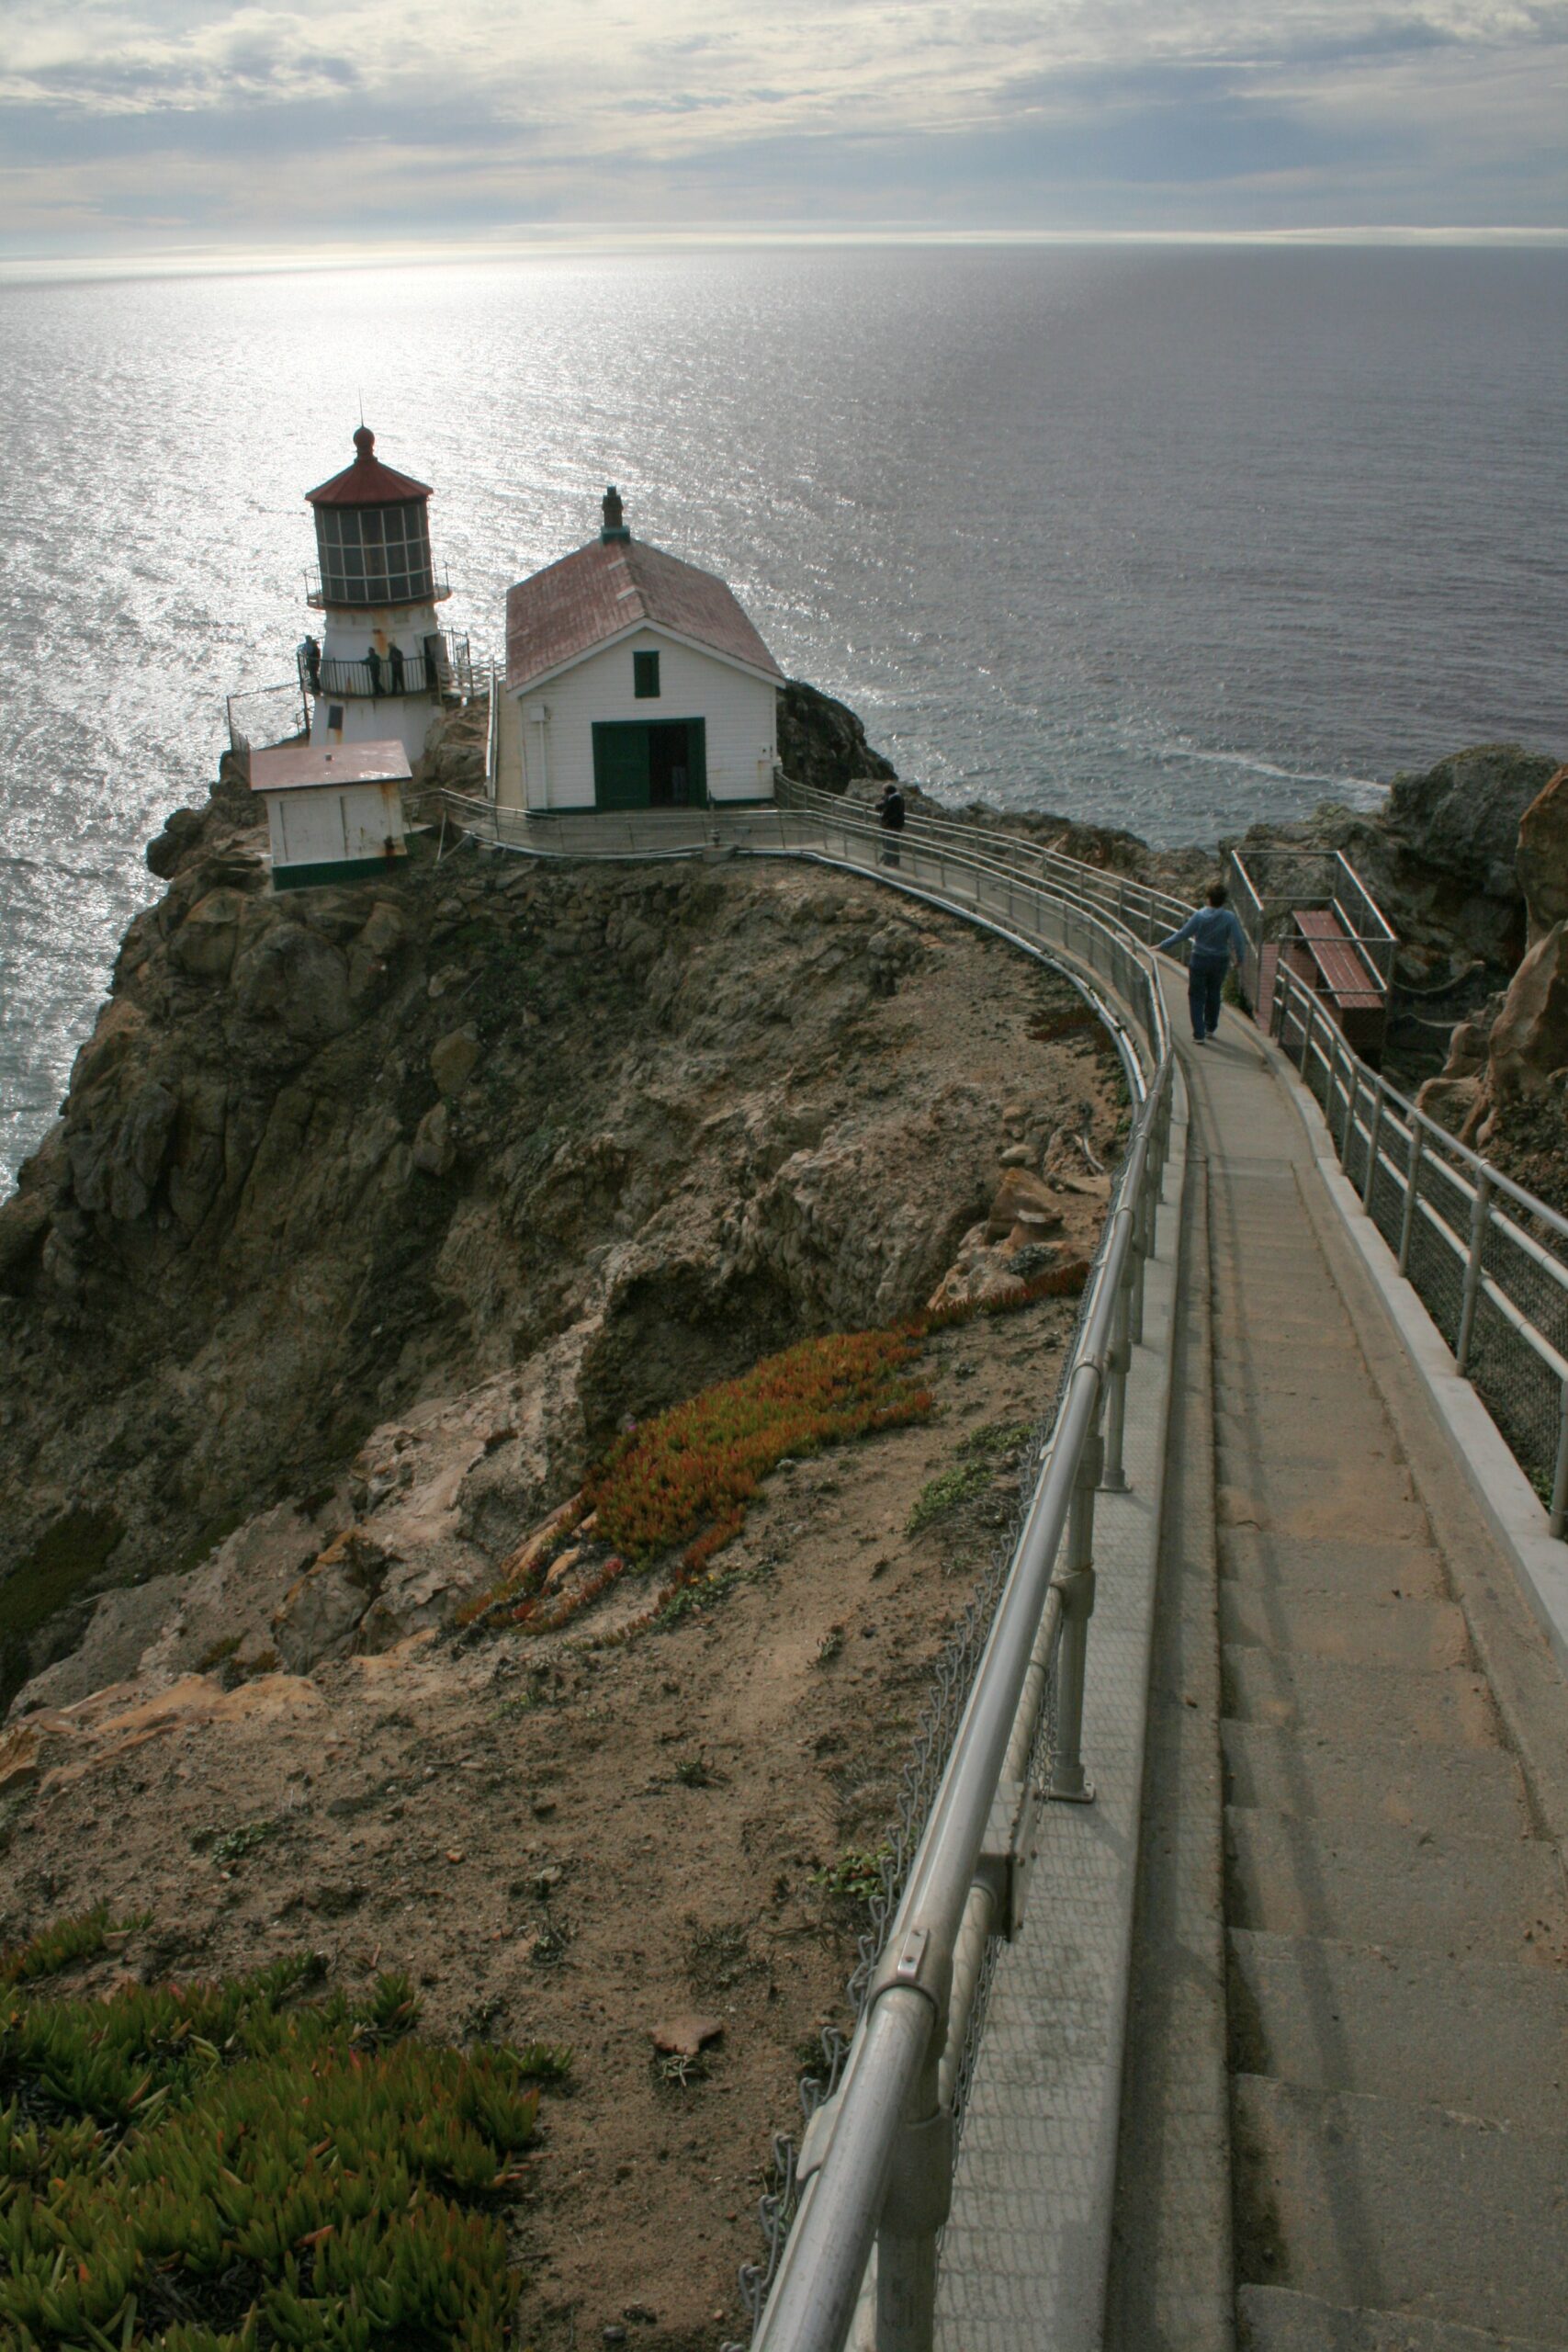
<point>1204,981</point>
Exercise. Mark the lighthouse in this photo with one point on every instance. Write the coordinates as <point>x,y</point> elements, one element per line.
<point>382,666</point>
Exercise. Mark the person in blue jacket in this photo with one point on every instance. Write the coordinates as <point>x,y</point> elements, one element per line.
<point>1216,936</point>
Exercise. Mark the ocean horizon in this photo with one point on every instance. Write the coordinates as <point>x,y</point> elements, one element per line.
<point>1174,537</point>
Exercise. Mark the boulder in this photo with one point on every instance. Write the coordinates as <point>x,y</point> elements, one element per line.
<point>453,1058</point>
<point>181,830</point>
<point>1540,860</point>
<point>822,743</point>
<point>24,1221</point>
<point>1529,1037</point>
<point>121,1629</point>
<point>1462,816</point>
<point>294,977</point>
<point>116,1161</point>
<point>203,947</point>
<point>433,1149</point>
<point>1022,1195</point>
<point>322,1614</point>
<point>384,929</point>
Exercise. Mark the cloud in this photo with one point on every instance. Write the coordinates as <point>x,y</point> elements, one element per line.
<point>260,118</point>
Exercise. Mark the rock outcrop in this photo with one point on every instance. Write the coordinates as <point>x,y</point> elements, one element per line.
<point>388,1204</point>
<point>1512,1056</point>
<point>822,743</point>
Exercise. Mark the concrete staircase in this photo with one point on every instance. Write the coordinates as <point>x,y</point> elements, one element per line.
<point>1395,1921</point>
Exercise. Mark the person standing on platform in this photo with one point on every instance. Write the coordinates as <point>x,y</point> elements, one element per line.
<point>890,810</point>
<point>1216,937</point>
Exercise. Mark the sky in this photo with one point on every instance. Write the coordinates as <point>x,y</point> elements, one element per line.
<point>166,127</point>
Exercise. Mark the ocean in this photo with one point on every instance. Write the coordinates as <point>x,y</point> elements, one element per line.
<point>1168,538</point>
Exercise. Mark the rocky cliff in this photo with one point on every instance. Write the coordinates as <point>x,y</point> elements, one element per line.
<point>597,1136</point>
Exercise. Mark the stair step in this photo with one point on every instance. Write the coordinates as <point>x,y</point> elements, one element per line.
<point>1370,2202</point>
<point>1275,1431</point>
<point>1272,2319</point>
<point>1276,1687</point>
<point>1371,1882</point>
<point>1306,1502</point>
<point>1490,2040</point>
<point>1333,1564</point>
<point>1426,1636</point>
<point>1474,1792</point>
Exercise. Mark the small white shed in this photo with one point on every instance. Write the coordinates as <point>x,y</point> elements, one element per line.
<point>632,681</point>
<point>334,815</point>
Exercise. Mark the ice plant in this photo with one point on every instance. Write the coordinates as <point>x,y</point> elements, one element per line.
<point>687,1475</point>
<point>208,2168</point>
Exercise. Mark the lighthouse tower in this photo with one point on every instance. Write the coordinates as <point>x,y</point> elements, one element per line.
<point>382,665</point>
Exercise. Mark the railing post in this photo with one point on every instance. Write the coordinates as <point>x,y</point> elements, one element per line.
<point>1560,1477</point>
<point>1352,1095</point>
<point>1118,1356</point>
<point>919,2197</point>
<point>1307,1027</point>
<point>1069,1782</point>
<point>1480,1217</point>
<point>1373,1138</point>
<point>1411,1193</point>
<point>1142,1242</point>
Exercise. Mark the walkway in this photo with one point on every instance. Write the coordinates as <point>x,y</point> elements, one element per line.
<point>1393,2017</point>
<point>1343,2124</point>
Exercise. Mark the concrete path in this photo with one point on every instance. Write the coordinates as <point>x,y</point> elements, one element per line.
<point>1395,2020</point>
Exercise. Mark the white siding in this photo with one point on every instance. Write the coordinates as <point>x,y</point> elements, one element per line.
<point>552,765</point>
<point>348,636</point>
<point>329,826</point>
<point>389,718</point>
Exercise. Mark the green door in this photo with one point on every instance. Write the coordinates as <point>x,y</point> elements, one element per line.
<point>658,764</point>
<point>620,764</point>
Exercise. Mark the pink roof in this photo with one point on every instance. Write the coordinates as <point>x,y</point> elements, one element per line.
<point>367,482</point>
<point>294,767</point>
<point>611,586</point>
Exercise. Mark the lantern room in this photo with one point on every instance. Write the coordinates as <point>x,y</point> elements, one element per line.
<point>373,537</point>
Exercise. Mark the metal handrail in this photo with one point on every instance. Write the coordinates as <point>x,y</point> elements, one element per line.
<point>877,2164</point>
<point>883,2161</point>
<point>1121,894</point>
<point>1492,1285</point>
<point>357,681</point>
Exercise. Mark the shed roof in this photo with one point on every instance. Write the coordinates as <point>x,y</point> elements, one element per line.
<point>296,767</point>
<point>613,585</point>
<point>367,482</point>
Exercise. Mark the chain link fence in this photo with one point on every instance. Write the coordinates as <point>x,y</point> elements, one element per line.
<point>1488,1260</point>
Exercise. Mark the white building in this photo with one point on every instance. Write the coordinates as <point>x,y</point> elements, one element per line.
<point>382,663</point>
<point>335,812</point>
<point>632,681</point>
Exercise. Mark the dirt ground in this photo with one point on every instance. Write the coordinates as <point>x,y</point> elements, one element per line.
<point>593,1834</point>
<point>586,1844</point>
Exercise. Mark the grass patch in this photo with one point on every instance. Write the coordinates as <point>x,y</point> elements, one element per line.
<point>856,1876</point>
<point>995,1437</point>
<point>226,2167</point>
<point>235,1844</point>
<point>939,1497</point>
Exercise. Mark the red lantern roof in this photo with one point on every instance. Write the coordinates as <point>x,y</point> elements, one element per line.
<point>367,482</point>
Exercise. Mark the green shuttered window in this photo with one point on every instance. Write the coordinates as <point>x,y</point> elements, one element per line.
<point>645,676</point>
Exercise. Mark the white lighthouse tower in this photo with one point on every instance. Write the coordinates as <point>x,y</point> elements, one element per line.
<point>382,666</point>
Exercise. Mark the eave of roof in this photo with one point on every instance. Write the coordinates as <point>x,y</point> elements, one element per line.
<point>303,767</point>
